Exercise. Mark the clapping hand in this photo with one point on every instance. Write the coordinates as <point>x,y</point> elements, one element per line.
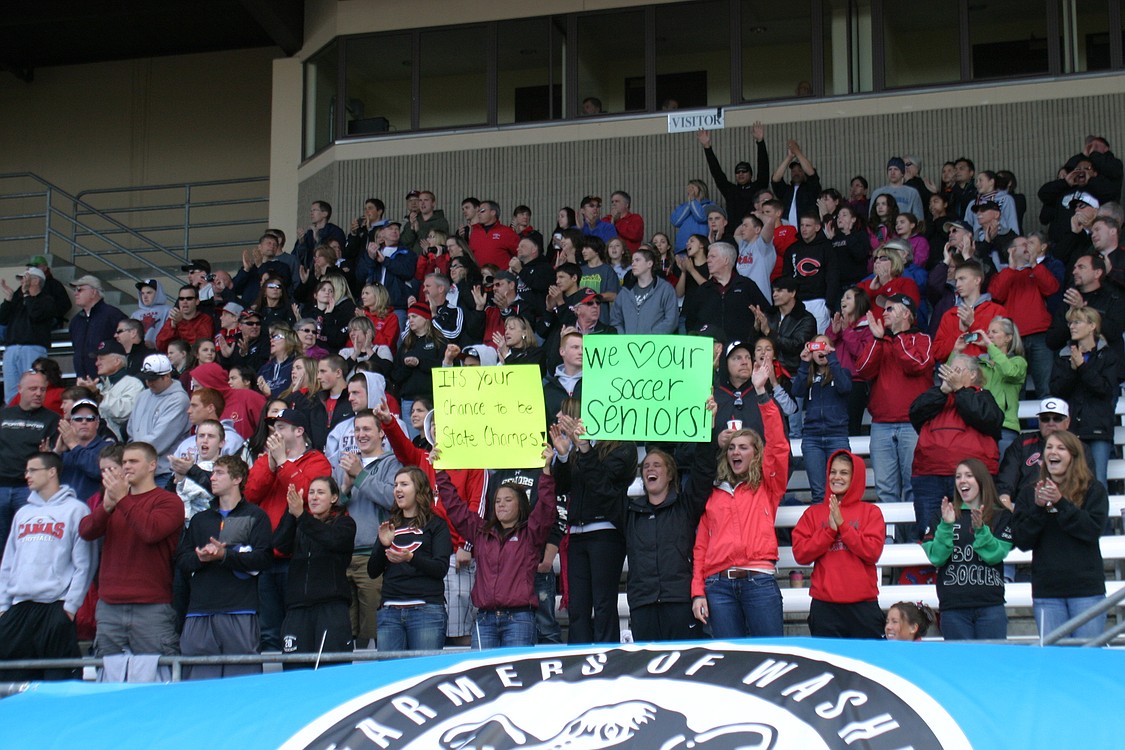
<point>294,501</point>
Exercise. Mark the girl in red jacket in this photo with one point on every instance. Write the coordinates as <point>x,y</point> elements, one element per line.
<point>735,555</point>
<point>843,538</point>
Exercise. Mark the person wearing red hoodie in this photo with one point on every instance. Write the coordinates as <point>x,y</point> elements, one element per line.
<point>974,311</point>
<point>842,538</point>
<point>287,461</point>
<point>470,484</point>
<point>242,406</point>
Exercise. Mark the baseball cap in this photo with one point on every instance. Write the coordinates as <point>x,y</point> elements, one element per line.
<point>233,308</point>
<point>743,166</point>
<point>486,355</point>
<point>715,208</point>
<point>32,271</point>
<point>586,294</point>
<point>1054,405</point>
<point>197,264</point>
<point>109,346</point>
<point>150,283</point>
<point>905,301</point>
<point>413,194</point>
<point>711,331</point>
<point>155,366</point>
<point>985,203</point>
<point>506,276</point>
<point>294,417</point>
<point>84,402</point>
<point>963,225</point>
<point>87,280</point>
<point>1081,196</point>
<point>734,345</point>
<point>38,260</point>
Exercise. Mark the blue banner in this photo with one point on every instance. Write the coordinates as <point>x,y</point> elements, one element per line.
<point>786,693</point>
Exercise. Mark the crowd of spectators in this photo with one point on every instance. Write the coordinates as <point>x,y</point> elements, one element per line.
<point>249,465</point>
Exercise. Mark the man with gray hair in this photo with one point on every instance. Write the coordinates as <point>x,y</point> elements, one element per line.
<point>29,314</point>
<point>119,389</point>
<point>95,322</point>
<point>451,321</point>
<point>726,297</point>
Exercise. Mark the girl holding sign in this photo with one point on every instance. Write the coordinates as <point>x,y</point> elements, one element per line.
<point>733,587</point>
<point>507,547</point>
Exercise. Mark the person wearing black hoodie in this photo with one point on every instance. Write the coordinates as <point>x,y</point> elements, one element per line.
<point>811,260</point>
<point>317,593</point>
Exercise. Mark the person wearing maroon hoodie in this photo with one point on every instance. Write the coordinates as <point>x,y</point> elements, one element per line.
<point>141,524</point>
<point>288,461</point>
<point>242,406</point>
<point>842,538</point>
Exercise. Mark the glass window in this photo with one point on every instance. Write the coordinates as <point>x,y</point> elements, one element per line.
<point>847,47</point>
<point>776,49</point>
<point>377,81</point>
<point>611,62</point>
<point>1085,35</point>
<point>1008,38</point>
<point>321,72</point>
<point>454,86</point>
<point>529,70</point>
<point>692,55</point>
<point>921,42</point>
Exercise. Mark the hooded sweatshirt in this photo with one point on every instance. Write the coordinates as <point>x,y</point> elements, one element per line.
<point>843,559</point>
<point>45,560</point>
<point>243,405</point>
<point>152,316</point>
<point>161,420</point>
<point>342,437</point>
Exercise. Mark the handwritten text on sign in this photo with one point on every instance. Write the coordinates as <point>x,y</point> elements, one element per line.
<point>646,387</point>
<point>489,417</point>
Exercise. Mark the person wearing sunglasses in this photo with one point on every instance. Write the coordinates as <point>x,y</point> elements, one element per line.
<point>185,321</point>
<point>79,444</point>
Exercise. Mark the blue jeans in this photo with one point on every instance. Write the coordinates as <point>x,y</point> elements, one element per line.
<point>271,603</point>
<point>1040,361</point>
<point>1007,437</point>
<point>981,623</point>
<point>817,450</point>
<point>17,361</point>
<point>928,492</point>
<point>1100,451</point>
<point>1051,613</point>
<point>418,628</point>
<point>546,623</point>
<point>11,500</point>
<point>741,608</point>
<point>892,456</point>
<point>500,628</point>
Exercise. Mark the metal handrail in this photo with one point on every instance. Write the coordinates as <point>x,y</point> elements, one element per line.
<point>187,205</point>
<point>1082,618</point>
<point>53,190</point>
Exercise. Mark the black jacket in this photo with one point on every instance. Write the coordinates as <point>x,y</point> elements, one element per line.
<point>1091,391</point>
<point>416,381</point>
<point>740,198</point>
<point>321,552</point>
<point>230,584</point>
<point>1019,466</point>
<point>319,423</point>
<point>597,486</point>
<point>29,319</point>
<point>729,308</point>
<point>424,576</point>
<point>1110,303</point>
<point>1066,558</point>
<point>791,333</point>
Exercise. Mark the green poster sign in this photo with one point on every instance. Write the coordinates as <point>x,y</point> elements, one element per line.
<point>647,387</point>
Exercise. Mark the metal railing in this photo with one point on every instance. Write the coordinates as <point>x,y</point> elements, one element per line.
<point>190,216</point>
<point>1106,604</point>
